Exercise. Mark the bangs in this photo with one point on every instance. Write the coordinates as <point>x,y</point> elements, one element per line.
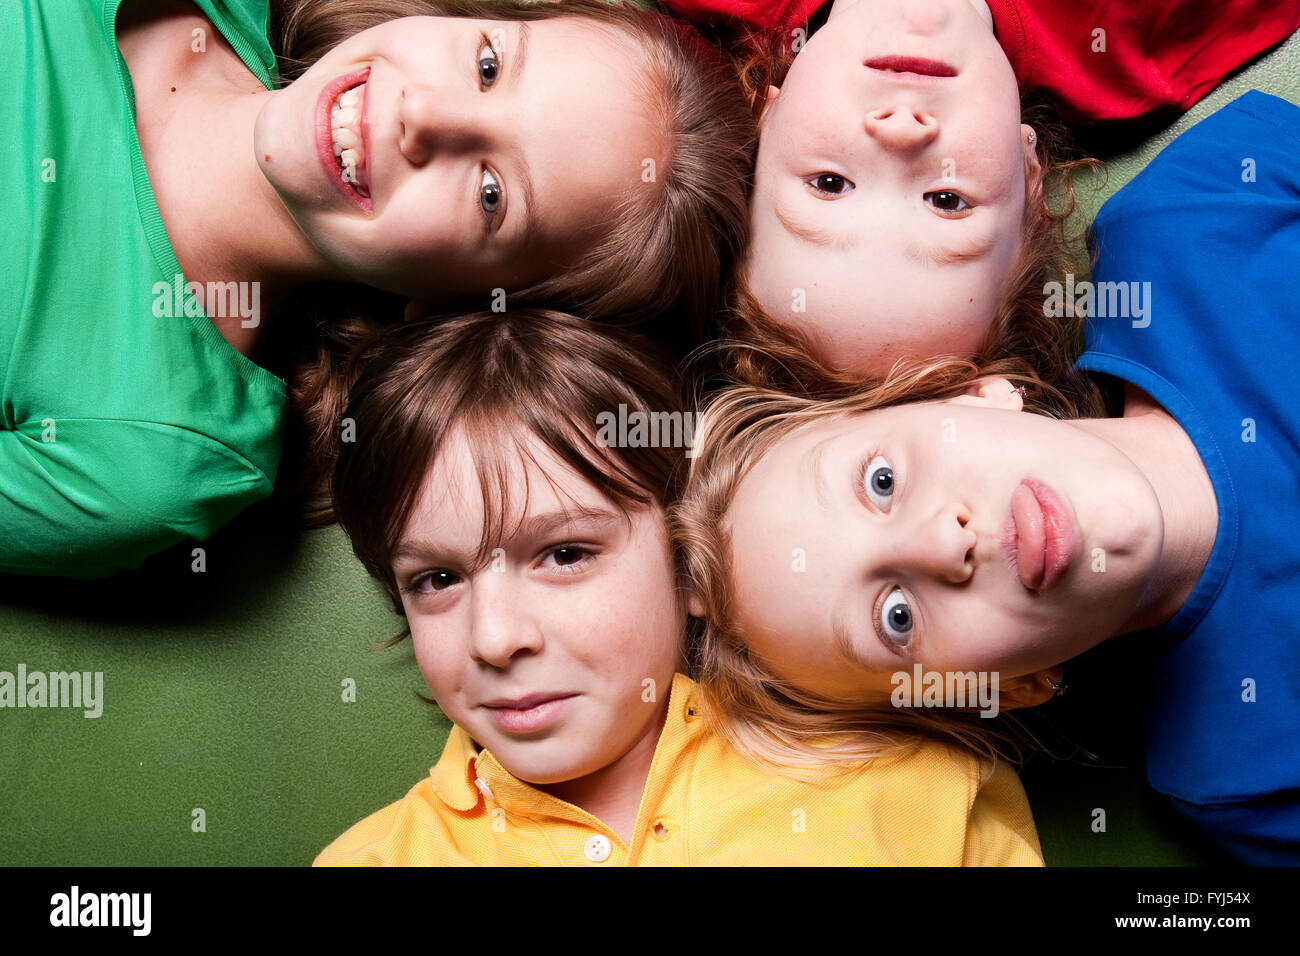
<point>503,449</point>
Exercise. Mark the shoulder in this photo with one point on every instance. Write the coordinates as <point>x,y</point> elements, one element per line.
<point>408,832</point>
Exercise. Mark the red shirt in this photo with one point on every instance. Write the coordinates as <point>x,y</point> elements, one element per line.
<point>1154,55</point>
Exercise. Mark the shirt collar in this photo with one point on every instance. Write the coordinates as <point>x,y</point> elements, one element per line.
<point>464,768</point>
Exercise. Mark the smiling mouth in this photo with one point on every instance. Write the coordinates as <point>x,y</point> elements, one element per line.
<point>911,66</point>
<point>347,139</point>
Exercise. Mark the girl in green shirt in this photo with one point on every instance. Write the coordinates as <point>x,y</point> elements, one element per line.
<point>174,195</point>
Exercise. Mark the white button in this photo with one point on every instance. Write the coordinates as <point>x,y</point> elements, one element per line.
<point>483,787</point>
<point>597,848</point>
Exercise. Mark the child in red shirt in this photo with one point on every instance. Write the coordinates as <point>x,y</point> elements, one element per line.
<point>899,208</point>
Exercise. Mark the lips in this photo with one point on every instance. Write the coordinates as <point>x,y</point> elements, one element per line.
<point>1040,537</point>
<point>911,66</point>
<point>324,138</point>
<point>528,715</point>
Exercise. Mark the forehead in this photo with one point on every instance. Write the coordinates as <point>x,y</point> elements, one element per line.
<point>590,120</point>
<point>863,308</point>
<point>518,472</point>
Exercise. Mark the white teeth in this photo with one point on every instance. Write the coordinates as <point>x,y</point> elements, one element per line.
<point>345,117</point>
<point>343,136</point>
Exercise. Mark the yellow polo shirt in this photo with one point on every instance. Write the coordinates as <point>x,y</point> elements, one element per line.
<point>704,805</point>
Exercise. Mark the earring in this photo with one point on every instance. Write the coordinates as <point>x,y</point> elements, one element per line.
<point>1031,137</point>
<point>1057,689</point>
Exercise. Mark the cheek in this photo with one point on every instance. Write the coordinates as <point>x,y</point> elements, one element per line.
<point>439,664</point>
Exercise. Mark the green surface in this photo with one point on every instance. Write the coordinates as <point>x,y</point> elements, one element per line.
<point>223,691</point>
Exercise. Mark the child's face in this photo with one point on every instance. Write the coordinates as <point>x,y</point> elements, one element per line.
<point>545,656</point>
<point>888,205</point>
<point>490,150</point>
<point>960,535</point>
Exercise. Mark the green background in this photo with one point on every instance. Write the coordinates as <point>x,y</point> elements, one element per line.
<point>223,691</point>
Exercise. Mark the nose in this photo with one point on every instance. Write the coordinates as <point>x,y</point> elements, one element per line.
<point>432,120</point>
<point>901,128</point>
<point>941,546</point>
<point>501,626</point>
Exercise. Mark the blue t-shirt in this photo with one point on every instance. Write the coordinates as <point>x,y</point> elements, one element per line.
<point>1213,224</point>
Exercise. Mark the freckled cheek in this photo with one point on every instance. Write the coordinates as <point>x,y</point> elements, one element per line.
<point>440,660</point>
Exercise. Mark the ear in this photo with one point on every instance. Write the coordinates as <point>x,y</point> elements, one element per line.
<point>417,309</point>
<point>772,93</point>
<point>1033,168</point>
<point>694,606</point>
<point>1029,690</point>
<point>991,392</point>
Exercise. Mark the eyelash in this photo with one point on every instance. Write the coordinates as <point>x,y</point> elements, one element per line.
<point>958,213</point>
<point>586,553</point>
<point>879,605</point>
<point>488,217</point>
<point>945,213</point>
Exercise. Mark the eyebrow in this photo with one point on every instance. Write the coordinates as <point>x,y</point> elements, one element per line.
<point>544,525</point>
<point>849,240</point>
<point>814,463</point>
<point>532,221</point>
<point>945,257</point>
<point>842,636</point>
<point>814,234</point>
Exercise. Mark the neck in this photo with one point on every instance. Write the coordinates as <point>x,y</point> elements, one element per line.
<point>613,793</point>
<point>1168,458</point>
<point>222,191</point>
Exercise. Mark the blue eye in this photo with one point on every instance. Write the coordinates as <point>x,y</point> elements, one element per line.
<point>489,193</point>
<point>896,618</point>
<point>878,482</point>
<point>831,184</point>
<point>489,64</point>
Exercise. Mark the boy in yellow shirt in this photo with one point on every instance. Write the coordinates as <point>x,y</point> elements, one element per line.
<point>521,531</point>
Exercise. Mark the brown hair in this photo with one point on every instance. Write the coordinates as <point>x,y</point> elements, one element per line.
<point>669,254</point>
<point>768,719</point>
<point>496,378</point>
<point>776,355</point>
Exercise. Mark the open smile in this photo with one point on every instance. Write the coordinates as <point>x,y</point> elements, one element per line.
<point>343,136</point>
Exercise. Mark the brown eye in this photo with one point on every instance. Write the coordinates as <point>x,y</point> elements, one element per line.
<point>830,183</point>
<point>947,201</point>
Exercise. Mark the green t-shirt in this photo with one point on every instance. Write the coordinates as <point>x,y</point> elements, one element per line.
<point>127,422</point>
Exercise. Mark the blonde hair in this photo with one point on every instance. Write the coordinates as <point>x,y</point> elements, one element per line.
<point>762,716</point>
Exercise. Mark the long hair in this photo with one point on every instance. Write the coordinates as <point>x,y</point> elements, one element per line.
<point>768,719</point>
<point>668,255</point>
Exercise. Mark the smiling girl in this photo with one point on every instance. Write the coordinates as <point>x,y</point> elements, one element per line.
<point>173,198</point>
<point>531,560</point>
<point>967,536</point>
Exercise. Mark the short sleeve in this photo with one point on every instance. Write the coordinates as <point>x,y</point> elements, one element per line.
<point>86,498</point>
